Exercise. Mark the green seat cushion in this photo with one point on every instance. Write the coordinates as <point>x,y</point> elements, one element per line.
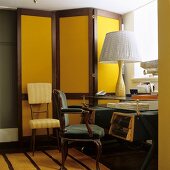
<point>80,131</point>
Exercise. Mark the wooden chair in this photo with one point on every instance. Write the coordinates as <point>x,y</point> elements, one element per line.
<point>39,97</point>
<point>79,132</point>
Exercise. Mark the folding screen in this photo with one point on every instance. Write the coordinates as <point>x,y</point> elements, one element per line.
<point>63,49</point>
<point>35,59</point>
<point>73,58</point>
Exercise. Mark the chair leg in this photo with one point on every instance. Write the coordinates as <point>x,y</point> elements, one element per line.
<point>48,132</point>
<point>66,149</point>
<point>99,151</point>
<point>64,153</point>
<point>33,141</point>
<point>58,139</point>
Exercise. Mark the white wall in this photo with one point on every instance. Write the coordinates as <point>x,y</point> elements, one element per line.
<point>130,81</point>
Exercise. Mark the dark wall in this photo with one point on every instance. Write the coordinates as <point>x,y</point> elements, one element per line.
<point>8,69</point>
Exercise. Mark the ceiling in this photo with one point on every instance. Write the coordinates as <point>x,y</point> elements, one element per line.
<point>118,6</point>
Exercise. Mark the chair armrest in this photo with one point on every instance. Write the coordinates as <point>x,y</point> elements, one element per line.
<point>71,110</point>
<point>75,106</point>
<point>85,116</point>
<point>86,113</point>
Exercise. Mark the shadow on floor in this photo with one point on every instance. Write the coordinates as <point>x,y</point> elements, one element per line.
<point>121,155</point>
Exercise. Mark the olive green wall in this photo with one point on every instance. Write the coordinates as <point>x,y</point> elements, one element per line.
<point>8,69</point>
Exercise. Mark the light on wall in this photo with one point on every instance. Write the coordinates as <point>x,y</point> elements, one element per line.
<point>119,47</point>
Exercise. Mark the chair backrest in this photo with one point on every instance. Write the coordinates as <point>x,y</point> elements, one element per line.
<point>61,102</point>
<point>39,93</point>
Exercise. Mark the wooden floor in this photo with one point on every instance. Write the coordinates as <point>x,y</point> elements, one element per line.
<point>116,155</point>
<point>47,160</point>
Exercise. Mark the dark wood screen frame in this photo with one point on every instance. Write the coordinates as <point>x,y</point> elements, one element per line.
<point>21,96</point>
<point>70,13</point>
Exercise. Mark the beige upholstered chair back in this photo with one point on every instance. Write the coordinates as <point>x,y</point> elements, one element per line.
<point>39,93</point>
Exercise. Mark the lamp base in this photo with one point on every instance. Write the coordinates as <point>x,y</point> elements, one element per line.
<point>120,86</point>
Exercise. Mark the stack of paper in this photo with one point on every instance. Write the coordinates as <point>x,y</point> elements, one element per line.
<point>129,106</point>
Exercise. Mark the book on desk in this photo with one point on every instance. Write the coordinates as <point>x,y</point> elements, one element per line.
<point>152,96</point>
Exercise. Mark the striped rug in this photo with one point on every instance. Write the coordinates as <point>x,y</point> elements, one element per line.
<point>47,160</point>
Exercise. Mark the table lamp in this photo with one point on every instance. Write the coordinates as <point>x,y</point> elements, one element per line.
<point>119,46</point>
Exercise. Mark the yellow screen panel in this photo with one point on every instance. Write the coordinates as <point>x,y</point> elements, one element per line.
<point>36,50</point>
<point>36,58</point>
<point>74,62</point>
<point>107,73</point>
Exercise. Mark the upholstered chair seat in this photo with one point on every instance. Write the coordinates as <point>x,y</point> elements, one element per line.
<point>44,123</point>
<point>80,131</point>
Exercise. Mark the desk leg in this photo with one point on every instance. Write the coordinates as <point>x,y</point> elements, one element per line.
<point>147,159</point>
<point>154,138</point>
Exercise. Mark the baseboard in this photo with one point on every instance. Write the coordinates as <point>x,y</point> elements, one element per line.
<point>9,135</point>
<point>24,145</point>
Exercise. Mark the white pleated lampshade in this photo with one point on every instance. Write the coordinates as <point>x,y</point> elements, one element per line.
<point>119,46</point>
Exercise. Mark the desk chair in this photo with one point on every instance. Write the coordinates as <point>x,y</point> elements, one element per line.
<point>39,97</point>
<point>79,132</point>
